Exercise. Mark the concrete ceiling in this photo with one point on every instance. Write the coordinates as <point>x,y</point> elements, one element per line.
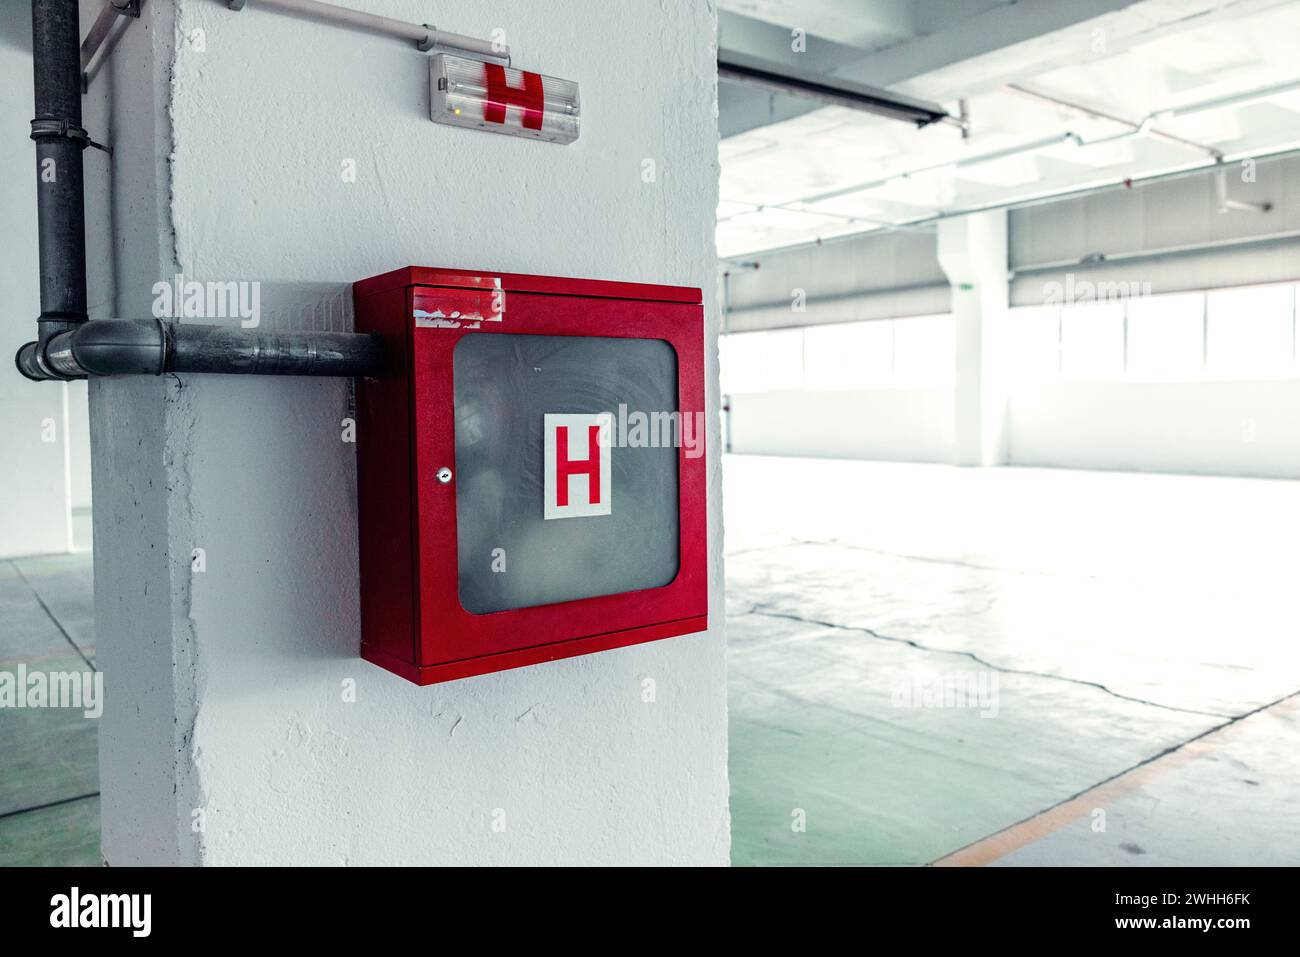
<point>812,173</point>
<point>853,22</point>
<point>897,42</point>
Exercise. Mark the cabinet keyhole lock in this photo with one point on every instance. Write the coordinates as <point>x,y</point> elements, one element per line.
<point>444,475</point>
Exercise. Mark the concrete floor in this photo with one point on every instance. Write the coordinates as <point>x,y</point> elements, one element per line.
<point>1011,666</point>
<point>927,665</point>
<point>49,765</point>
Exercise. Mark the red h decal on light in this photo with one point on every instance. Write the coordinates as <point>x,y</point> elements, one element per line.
<point>531,99</point>
<point>564,467</point>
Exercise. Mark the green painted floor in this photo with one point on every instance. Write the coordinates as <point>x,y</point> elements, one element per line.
<point>921,657</point>
<point>49,772</point>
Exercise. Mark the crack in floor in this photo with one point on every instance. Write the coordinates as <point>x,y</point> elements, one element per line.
<point>49,804</point>
<point>50,614</point>
<point>760,610</point>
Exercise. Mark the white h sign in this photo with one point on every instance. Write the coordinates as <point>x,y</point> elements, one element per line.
<point>578,480</point>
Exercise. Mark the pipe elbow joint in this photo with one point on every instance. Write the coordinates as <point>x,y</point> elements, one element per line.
<point>100,348</point>
<point>27,359</point>
<point>120,347</point>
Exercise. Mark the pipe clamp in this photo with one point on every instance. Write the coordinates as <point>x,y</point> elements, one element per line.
<point>47,128</point>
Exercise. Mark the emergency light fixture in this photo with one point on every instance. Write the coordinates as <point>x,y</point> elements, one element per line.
<point>492,97</point>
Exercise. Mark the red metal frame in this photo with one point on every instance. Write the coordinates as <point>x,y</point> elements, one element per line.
<point>412,619</point>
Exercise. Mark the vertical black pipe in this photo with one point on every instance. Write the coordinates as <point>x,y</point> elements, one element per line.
<point>60,139</point>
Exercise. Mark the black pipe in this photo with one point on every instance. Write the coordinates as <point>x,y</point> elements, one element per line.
<point>60,139</point>
<point>245,352</point>
<point>69,347</point>
<point>751,71</point>
<point>151,347</point>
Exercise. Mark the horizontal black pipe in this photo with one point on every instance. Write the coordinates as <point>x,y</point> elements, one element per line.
<point>748,71</point>
<point>108,347</point>
<point>60,139</point>
<point>247,352</point>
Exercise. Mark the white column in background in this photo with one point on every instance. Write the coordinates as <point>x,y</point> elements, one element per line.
<point>973,254</point>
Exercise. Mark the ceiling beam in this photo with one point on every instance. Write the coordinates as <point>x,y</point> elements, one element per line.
<point>742,108</point>
<point>962,39</point>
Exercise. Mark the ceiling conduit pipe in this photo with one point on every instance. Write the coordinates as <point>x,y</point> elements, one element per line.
<point>425,36</point>
<point>68,346</point>
<point>1136,128</point>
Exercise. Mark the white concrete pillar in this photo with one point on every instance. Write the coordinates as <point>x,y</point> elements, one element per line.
<point>240,725</point>
<point>973,253</point>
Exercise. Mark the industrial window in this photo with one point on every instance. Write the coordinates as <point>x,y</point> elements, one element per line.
<point>923,351</point>
<point>914,352</point>
<point>1092,341</point>
<point>1034,343</point>
<point>1247,332</point>
<point>851,355</point>
<point>1251,332</point>
<point>769,361</point>
<point>1166,337</point>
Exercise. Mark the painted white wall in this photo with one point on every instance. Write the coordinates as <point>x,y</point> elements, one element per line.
<point>78,445</point>
<point>873,276</point>
<point>225,686</point>
<point>1214,428</point>
<point>34,473</point>
<point>892,425</point>
<point>1139,231</point>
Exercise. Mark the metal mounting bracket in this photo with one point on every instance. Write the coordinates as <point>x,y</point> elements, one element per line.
<point>103,36</point>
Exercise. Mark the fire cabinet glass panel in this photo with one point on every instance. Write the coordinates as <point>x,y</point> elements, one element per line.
<point>608,538</point>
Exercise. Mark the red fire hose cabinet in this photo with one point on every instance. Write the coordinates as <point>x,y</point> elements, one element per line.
<point>531,470</point>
